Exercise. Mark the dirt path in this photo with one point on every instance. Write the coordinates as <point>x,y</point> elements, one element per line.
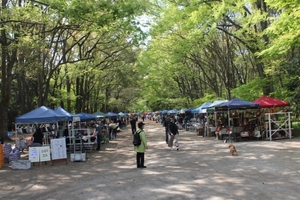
<point>202,169</point>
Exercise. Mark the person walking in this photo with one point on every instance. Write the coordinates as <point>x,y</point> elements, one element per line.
<point>166,125</point>
<point>98,132</point>
<point>143,117</point>
<point>173,132</point>
<point>133,124</point>
<point>141,149</point>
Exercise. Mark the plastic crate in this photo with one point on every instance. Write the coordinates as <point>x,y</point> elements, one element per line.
<point>77,157</point>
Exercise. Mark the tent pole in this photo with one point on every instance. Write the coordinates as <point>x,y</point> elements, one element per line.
<point>270,129</point>
<point>290,130</point>
<point>228,118</point>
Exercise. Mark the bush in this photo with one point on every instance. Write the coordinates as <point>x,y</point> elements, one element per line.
<point>296,128</point>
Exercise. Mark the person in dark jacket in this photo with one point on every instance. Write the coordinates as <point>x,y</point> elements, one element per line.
<point>38,137</point>
<point>133,124</point>
<point>166,125</point>
<point>98,132</point>
<point>173,132</point>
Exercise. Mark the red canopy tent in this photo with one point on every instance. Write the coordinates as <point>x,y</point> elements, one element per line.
<point>269,102</point>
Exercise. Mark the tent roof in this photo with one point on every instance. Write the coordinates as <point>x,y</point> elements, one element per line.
<point>164,111</point>
<point>236,104</point>
<point>189,111</point>
<point>40,115</point>
<point>85,117</point>
<point>182,111</point>
<point>211,107</point>
<point>99,114</point>
<point>200,108</point>
<point>268,102</point>
<point>111,114</point>
<point>174,111</point>
<point>63,113</point>
<point>121,114</point>
<point>217,102</point>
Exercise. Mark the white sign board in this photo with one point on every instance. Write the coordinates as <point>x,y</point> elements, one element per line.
<point>58,148</point>
<point>76,119</point>
<point>45,153</point>
<point>34,154</point>
<point>39,154</point>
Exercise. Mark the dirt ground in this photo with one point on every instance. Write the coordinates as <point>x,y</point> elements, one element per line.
<point>201,169</point>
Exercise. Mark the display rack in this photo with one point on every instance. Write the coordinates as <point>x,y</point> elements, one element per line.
<point>278,122</point>
<point>77,150</point>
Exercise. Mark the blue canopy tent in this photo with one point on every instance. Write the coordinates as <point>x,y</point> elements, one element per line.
<point>40,115</point>
<point>164,112</point>
<point>235,104</point>
<point>121,114</point>
<point>85,117</point>
<point>189,111</point>
<point>201,108</point>
<point>62,112</point>
<point>99,114</point>
<point>172,112</point>
<point>111,114</point>
<point>182,111</point>
<point>195,111</point>
<point>204,106</point>
<point>211,107</point>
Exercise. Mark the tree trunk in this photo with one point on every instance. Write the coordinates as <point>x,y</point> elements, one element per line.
<point>7,62</point>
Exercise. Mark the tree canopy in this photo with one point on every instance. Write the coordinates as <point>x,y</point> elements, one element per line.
<point>145,55</point>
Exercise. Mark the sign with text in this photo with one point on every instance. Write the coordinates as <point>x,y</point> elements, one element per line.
<point>58,148</point>
<point>39,154</point>
<point>45,153</point>
<point>34,154</point>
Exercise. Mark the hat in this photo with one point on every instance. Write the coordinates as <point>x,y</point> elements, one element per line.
<point>140,124</point>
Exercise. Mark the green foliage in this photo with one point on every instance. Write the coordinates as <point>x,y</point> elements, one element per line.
<point>207,98</point>
<point>251,90</point>
<point>89,55</point>
<point>296,128</point>
<point>284,30</point>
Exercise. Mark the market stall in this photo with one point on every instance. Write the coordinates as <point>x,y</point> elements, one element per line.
<point>212,118</point>
<point>231,109</point>
<point>276,124</point>
<point>45,120</point>
<point>200,116</point>
<point>41,117</point>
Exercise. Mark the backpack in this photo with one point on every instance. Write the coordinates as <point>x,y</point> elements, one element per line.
<point>137,139</point>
